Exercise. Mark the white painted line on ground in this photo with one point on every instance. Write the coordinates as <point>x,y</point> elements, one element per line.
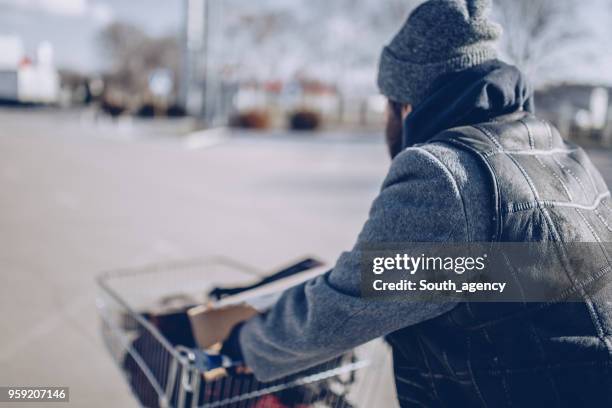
<point>206,138</point>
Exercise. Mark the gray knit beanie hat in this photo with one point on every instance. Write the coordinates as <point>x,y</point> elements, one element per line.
<point>439,37</point>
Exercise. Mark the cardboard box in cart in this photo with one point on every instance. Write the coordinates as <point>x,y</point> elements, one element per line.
<point>212,323</point>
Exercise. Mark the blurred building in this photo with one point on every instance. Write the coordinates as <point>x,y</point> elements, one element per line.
<point>27,80</point>
<point>300,104</point>
<point>581,112</point>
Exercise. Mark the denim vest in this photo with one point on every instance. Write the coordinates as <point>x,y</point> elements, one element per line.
<point>520,354</point>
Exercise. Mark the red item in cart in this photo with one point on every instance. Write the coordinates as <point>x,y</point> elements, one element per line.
<point>272,401</point>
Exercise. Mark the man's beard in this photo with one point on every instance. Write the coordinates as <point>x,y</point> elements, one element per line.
<point>394,134</point>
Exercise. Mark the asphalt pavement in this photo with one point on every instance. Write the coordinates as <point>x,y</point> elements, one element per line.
<point>80,197</point>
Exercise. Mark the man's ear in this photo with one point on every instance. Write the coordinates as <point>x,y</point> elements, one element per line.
<point>406,110</point>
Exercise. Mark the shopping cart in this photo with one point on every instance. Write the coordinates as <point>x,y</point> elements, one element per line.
<point>164,368</point>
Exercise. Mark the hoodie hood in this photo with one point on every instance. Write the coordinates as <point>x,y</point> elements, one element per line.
<point>468,97</point>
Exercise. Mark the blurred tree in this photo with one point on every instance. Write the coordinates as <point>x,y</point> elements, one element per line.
<point>338,42</point>
<point>545,38</point>
<point>133,55</point>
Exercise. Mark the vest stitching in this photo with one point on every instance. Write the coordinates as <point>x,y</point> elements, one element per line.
<point>559,179</point>
<point>529,135</point>
<point>547,219</point>
<point>409,382</point>
<point>469,367</point>
<point>548,130</point>
<point>523,206</point>
<point>606,205</point>
<point>590,207</point>
<point>545,213</point>
<point>603,221</point>
<point>603,203</point>
<point>449,378</point>
<point>489,136</point>
<point>506,390</point>
<point>603,336</point>
<point>490,153</point>
<point>566,293</point>
<point>552,229</point>
<point>534,191</point>
<point>426,360</point>
<point>534,152</point>
<point>572,174</point>
<point>486,335</point>
<point>469,310</point>
<point>544,166</point>
<point>429,376</point>
<point>448,365</point>
<point>605,363</point>
<point>590,177</point>
<point>408,399</point>
<point>547,367</point>
<point>543,354</point>
<point>518,282</point>
<point>543,210</point>
<point>496,361</point>
<point>569,195</point>
<point>403,396</point>
<point>589,226</point>
<point>521,169</point>
<point>582,186</point>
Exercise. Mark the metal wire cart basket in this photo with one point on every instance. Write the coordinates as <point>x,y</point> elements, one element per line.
<point>146,330</point>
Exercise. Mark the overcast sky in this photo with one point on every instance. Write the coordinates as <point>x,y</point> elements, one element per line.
<point>72,25</point>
